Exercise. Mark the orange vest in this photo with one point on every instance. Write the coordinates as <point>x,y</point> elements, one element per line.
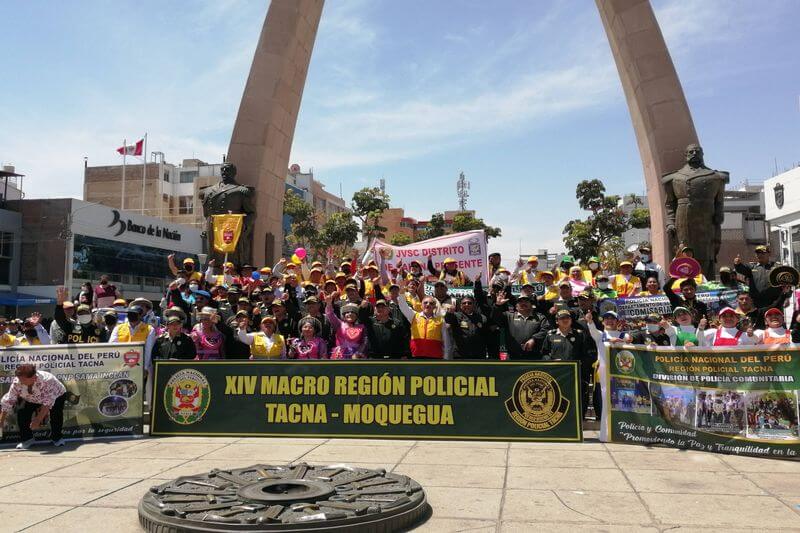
<point>426,336</point>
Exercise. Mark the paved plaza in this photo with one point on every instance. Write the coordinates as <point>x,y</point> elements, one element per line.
<point>472,486</point>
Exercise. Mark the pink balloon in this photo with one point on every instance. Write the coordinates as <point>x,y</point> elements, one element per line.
<point>300,252</point>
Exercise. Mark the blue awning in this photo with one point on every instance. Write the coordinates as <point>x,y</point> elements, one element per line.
<point>22,300</point>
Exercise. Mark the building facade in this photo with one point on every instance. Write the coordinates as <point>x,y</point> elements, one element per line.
<point>396,222</point>
<point>65,242</point>
<point>782,210</point>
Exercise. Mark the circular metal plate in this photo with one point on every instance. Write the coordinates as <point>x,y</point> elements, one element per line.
<point>271,498</point>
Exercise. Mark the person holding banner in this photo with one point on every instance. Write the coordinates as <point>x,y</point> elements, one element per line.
<point>685,333</point>
<point>450,274</point>
<point>44,395</point>
<point>610,332</point>
<point>775,332</point>
<point>727,334</point>
<point>654,333</point>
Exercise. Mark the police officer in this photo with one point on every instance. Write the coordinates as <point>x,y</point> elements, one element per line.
<point>469,329</point>
<point>388,338</point>
<point>524,329</point>
<point>565,343</point>
<point>78,330</point>
<point>653,334</point>
<point>757,277</point>
<point>174,343</point>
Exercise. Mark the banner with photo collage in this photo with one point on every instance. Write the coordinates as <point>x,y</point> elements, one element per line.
<point>103,382</point>
<point>740,400</point>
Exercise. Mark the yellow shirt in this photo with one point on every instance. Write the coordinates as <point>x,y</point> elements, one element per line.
<point>124,333</point>
<point>7,339</point>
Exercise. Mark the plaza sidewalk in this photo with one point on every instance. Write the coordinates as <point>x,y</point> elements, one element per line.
<point>475,486</point>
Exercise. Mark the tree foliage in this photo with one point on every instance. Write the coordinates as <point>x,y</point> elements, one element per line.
<point>304,232</point>
<point>467,222</point>
<point>600,233</point>
<point>435,227</point>
<point>400,239</point>
<point>368,206</point>
<point>339,233</point>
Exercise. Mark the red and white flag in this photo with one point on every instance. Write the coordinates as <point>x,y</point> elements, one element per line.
<point>134,149</point>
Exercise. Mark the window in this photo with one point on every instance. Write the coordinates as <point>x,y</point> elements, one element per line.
<point>188,176</point>
<point>6,256</point>
<point>166,176</point>
<point>185,205</point>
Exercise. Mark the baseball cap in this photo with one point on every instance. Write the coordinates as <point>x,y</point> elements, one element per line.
<point>172,319</point>
<point>563,313</point>
<point>612,314</point>
<point>761,248</point>
<point>727,310</point>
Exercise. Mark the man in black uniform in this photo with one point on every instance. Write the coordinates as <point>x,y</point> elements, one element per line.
<point>564,343</point>
<point>174,343</point>
<point>78,330</point>
<point>524,328</point>
<point>688,299</point>
<point>758,277</point>
<point>653,334</point>
<point>387,335</point>
<point>469,330</point>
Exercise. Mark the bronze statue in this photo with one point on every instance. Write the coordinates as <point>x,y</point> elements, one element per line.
<point>228,196</point>
<point>694,203</point>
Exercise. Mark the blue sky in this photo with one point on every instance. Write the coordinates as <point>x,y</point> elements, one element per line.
<point>522,96</point>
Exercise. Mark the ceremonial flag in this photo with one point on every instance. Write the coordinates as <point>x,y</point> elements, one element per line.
<point>134,149</point>
<point>227,230</point>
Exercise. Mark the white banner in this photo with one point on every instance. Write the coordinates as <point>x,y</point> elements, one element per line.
<point>467,248</point>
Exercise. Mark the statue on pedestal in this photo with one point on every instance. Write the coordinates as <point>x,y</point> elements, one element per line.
<point>229,197</point>
<point>694,208</point>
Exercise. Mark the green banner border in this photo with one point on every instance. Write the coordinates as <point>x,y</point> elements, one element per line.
<point>158,405</point>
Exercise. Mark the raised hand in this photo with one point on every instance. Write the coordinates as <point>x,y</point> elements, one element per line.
<point>35,318</point>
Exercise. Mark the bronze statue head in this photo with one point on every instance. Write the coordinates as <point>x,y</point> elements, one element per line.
<point>228,172</point>
<point>694,155</point>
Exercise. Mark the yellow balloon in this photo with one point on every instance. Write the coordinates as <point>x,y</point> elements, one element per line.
<point>295,259</point>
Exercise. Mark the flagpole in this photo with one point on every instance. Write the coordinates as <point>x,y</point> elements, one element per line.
<point>124,154</point>
<point>144,171</point>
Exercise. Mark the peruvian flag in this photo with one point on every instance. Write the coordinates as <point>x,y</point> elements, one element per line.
<point>134,149</point>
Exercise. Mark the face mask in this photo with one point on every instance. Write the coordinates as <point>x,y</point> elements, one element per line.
<point>84,319</point>
<point>645,258</point>
<point>593,266</point>
<point>133,318</point>
<point>653,328</point>
<point>602,284</point>
<point>193,286</point>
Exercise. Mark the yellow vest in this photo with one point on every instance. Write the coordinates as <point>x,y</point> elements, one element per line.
<point>625,287</point>
<point>7,339</point>
<point>427,328</point>
<point>259,346</point>
<point>24,342</point>
<point>124,333</point>
<point>526,277</point>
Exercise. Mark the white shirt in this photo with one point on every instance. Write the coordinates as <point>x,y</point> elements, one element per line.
<point>707,337</point>
<point>148,343</point>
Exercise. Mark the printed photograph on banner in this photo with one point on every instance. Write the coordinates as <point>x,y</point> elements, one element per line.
<point>630,395</point>
<point>721,412</point>
<point>674,404</point>
<point>772,415</point>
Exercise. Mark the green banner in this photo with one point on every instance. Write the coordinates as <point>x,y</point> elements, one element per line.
<point>739,400</point>
<point>103,382</point>
<point>380,399</point>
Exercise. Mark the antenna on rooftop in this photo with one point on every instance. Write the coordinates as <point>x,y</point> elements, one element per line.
<point>462,190</point>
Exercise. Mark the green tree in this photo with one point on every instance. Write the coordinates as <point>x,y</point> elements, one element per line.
<point>435,227</point>
<point>468,222</point>
<point>368,206</point>
<point>400,239</point>
<point>304,231</point>
<point>597,233</point>
<point>339,233</point>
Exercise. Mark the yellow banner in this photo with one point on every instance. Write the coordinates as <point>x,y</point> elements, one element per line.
<point>227,229</point>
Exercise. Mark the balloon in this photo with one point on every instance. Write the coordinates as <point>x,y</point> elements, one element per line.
<point>256,275</point>
<point>300,253</point>
<point>295,259</point>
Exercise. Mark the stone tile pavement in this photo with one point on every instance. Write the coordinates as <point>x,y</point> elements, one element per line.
<point>472,486</point>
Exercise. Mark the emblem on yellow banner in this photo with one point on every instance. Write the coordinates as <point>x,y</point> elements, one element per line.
<point>536,402</point>
<point>227,230</point>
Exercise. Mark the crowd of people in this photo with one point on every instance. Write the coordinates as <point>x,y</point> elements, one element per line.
<point>299,309</point>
